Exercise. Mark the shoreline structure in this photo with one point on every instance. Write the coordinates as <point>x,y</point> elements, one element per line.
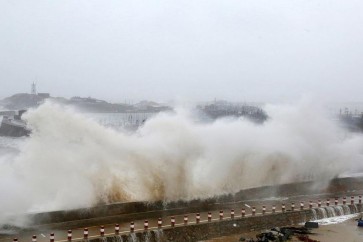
<point>231,215</point>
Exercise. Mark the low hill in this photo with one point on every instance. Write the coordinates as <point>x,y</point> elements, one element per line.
<point>83,104</point>
<point>21,101</point>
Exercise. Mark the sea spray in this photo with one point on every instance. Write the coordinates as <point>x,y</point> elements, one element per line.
<point>71,161</point>
<point>158,235</point>
<point>339,210</point>
<point>315,215</point>
<point>117,238</point>
<point>346,209</point>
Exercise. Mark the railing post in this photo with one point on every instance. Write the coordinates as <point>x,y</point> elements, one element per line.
<point>117,229</point>
<point>132,227</point>
<point>102,231</point>
<point>51,237</point>
<point>197,218</point>
<point>85,233</point>
<point>69,235</point>
<point>146,225</point>
<point>185,219</point>
<point>172,221</point>
<point>232,213</point>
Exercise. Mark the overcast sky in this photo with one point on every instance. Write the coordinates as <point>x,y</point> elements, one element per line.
<point>242,50</point>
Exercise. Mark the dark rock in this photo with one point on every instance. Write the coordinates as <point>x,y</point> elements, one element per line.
<point>311,225</point>
<point>277,229</point>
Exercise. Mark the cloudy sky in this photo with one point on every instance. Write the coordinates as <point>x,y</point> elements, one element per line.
<point>245,50</point>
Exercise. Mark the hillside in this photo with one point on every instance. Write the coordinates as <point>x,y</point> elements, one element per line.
<point>88,104</point>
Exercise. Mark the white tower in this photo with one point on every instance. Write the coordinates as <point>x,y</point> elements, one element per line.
<point>34,89</point>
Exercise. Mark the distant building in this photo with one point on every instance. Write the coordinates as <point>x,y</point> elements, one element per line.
<point>87,100</point>
<point>44,95</point>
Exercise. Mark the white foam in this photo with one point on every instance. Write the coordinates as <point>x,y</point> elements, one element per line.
<point>71,161</point>
<point>274,199</point>
<point>335,220</point>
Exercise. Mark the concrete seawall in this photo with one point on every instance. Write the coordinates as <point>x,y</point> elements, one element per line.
<point>135,210</point>
<point>207,230</point>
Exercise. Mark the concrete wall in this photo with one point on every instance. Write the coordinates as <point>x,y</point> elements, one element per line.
<point>122,211</point>
<point>203,231</point>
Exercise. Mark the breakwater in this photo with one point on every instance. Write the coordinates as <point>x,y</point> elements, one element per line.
<point>212,229</point>
<point>123,212</point>
<point>223,223</point>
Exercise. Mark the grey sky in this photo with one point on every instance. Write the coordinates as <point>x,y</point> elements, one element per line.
<point>245,50</point>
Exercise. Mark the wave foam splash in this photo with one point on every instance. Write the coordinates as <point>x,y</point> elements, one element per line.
<point>336,220</point>
<point>71,161</point>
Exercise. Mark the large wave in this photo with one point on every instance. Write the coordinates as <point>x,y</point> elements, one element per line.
<point>70,161</point>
